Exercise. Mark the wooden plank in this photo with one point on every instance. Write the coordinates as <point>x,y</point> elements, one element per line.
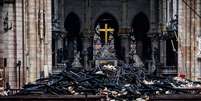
<point>175,98</point>
<point>54,98</point>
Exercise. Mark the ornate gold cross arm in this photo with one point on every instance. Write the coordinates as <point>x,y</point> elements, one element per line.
<point>106,30</point>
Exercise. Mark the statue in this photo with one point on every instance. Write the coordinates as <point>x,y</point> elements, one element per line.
<point>138,61</point>
<point>154,56</point>
<point>98,43</point>
<point>76,62</point>
<point>134,57</point>
<point>6,24</point>
<point>111,40</point>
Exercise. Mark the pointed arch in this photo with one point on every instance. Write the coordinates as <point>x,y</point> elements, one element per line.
<point>72,23</point>
<point>72,41</point>
<point>140,25</point>
<point>110,19</point>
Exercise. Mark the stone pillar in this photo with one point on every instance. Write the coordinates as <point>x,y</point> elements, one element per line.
<point>87,31</point>
<point>61,14</point>
<point>198,42</point>
<point>153,17</point>
<point>162,52</point>
<point>2,68</point>
<point>88,23</point>
<point>124,31</point>
<point>160,31</point>
<point>19,39</point>
<point>187,39</point>
<point>56,8</point>
<point>10,42</point>
<point>32,40</point>
<point>125,47</point>
<point>38,37</point>
<point>48,35</point>
<point>124,18</point>
<point>85,44</point>
<point>193,40</point>
<point>1,31</point>
<point>157,21</point>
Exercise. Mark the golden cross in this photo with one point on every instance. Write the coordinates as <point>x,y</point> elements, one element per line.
<point>106,30</point>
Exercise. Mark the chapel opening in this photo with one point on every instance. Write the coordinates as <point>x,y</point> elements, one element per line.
<point>106,26</point>
<point>140,27</point>
<point>72,41</point>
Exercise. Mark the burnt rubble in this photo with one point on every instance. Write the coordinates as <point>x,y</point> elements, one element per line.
<point>126,82</point>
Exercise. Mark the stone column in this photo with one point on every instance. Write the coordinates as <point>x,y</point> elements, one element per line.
<point>56,8</point>
<point>88,23</point>
<point>19,40</point>
<point>10,42</point>
<point>2,68</point>
<point>32,40</point>
<point>156,15</point>
<point>125,46</point>
<point>153,17</point>
<point>124,31</point>
<point>124,18</point>
<point>85,44</point>
<point>61,14</point>
<point>87,31</point>
<point>48,36</point>
<point>161,27</point>
<point>198,42</point>
<point>193,42</point>
<point>38,37</point>
<point>186,32</point>
<point>1,30</point>
<point>1,33</point>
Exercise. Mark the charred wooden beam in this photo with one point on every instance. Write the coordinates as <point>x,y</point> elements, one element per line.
<point>54,98</point>
<point>175,98</point>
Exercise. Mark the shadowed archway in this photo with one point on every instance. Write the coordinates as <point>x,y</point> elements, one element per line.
<point>140,27</point>
<point>72,24</point>
<point>107,18</point>
<point>72,40</point>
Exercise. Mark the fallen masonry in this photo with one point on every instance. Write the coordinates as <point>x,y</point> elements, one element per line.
<point>126,82</point>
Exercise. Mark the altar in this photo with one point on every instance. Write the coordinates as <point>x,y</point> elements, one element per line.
<point>104,52</point>
<point>106,62</point>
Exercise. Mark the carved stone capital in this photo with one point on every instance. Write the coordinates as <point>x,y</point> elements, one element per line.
<point>124,30</point>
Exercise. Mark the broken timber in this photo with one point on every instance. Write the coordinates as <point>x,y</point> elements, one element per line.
<point>175,98</point>
<point>54,98</point>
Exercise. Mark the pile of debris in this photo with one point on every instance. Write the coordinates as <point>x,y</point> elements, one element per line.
<point>126,82</point>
